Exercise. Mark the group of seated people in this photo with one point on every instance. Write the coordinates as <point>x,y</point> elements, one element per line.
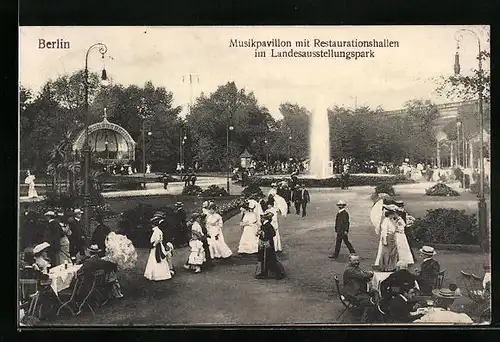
<point>394,300</point>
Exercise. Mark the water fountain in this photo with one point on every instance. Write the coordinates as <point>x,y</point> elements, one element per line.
<point>319,142</point>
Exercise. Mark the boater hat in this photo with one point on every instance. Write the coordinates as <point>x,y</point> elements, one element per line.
<point>445,293</point>
<point>341,203</point>
<point>427,250</point>
<point>391,207</point>
<point>39,248</point>
<point>50,213</point>
<point>94,249</point>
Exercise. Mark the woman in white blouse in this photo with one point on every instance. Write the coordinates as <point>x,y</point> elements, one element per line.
<point>249,242</point>
<point>217,244</point>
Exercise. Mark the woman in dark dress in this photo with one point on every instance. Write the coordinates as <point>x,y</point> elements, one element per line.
<point>267,255</point>
<point>100,234</point>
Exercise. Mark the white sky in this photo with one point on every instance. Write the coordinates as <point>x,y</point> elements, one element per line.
<point>165,54</point>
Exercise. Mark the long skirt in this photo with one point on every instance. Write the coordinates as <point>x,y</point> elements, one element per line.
<point>403,248</point>
<point>277,241</point>
<point>32,191</point>
<point>269,264</point>
<point>249,242</point>
<point>157,270</point>
<point>63,254</point>
<point>219,248</point>
<point>387,255</point>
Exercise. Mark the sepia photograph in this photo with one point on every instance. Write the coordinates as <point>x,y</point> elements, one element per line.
<point>254,176</point>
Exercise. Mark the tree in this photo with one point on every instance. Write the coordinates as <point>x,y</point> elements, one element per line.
<point>295,124</point>
<point>210,117</point>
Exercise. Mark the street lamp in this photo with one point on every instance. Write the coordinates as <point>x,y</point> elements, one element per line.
<point>229,128</point>
<point>462,163</point>
<point>482,214</point>
<point>104,77</point>
<point>267,153</point>
<point>143,115</point>
<point>183,151</point>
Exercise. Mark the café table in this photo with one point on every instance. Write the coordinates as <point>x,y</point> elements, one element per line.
<point>61,277</point>
<point>443,316</point>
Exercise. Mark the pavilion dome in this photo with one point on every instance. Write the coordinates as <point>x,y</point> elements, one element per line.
<point>110,142</point>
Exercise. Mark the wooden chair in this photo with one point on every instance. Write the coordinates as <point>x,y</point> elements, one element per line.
<point>439,280</point>
<point>27,287</point>
<point>474,287</point>
<point>348,302</point>
<point>99,277</point>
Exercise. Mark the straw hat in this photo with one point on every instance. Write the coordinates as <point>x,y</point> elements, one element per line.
<point>50,213</point>
<point>41,247</point>
<point>78,211</point>
<point>445,293</point>
<point>94,249</point>
<point>390,207</point>
<point>427,251</point>
<point>341,203</point>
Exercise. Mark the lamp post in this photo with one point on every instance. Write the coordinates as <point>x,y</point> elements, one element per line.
<point>143,115</point>
<point>461,155</point>
<point>482,214</point>
<point>229,128</point>
<point>289,148</point>
<point>183,151</point>
<point>267,153</point>
<point>86,199</point>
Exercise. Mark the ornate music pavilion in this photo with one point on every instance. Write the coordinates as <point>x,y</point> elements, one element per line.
<point>109,142</point>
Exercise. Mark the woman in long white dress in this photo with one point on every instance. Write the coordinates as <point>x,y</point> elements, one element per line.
<point>157,267</point>
<point>402,245</point>
<point>274,222</point>
<point>30,180</point>
<point>249,242</point>
<point>217,244</point>
<point>387,255</point>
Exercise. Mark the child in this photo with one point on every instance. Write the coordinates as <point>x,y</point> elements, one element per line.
<point>169,247</point>
<point>197,255</point>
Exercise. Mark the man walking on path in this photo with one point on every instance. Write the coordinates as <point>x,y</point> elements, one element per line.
<point>301,197</point>
<point>342,230</point>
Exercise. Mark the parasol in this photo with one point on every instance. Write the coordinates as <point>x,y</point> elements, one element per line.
<point>280,203</point>
<point>257,207</point>
<point>376,215</point>
<point>29,179</point>
<point>121,251</point>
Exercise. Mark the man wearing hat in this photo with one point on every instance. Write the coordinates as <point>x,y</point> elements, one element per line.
<point>52,235</point>
<point>182,234</point>
<point>429,270</point>
<point>76,239</point>
<point>355,286</point>
<point>342,230</point>
<point>301,197</point>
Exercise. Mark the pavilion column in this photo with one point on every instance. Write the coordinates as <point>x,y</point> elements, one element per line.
<point>451,154</point>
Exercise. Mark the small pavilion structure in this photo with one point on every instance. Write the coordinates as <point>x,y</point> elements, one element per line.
<point>109,142</point>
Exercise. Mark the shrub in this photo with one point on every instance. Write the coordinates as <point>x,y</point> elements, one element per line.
<point>334,182</point>
<point>385,188</point>
<point>61,200</point>
<point>441,189</point>
<point>192,190</point>
<point>446,226</point>
<point>128,185</point>
<point>215,191</point>
<point>252,189</point>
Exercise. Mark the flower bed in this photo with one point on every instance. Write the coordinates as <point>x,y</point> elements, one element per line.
<point>214,191</point>
<point>333,182</point>
<point>445,226</point>
<point>441,189</point>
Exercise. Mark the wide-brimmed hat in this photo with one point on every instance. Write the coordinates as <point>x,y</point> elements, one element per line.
<point>341,203</point>
<point>195,215</point>
<point>273,184</point>
<point>50,213</point>
<point>179,204</point>
<point>39,248</point>
<point>78,211</point>
<point>94,249</point>
<point>205,204</point>
<point>445,293</point>
<point>399,203</point>
<point>267,215</point>
<point>390,207</point>
<point>427,250</point>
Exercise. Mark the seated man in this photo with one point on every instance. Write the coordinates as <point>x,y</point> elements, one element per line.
<point>429,270</point>
<point>392,285</point>
<point>400,307</point>
<point>356,285</point>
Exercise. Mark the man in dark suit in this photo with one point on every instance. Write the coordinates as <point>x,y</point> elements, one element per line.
<point>356,285</point>
<point>301,197</point>
<point>400,307</point>
<point>429,269</point>
<point>76,239</point>
<point>342,230</point>
<point>393,284</point>
<point>52,235</point>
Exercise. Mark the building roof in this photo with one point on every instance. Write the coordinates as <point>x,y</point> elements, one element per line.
<point>245,154</point>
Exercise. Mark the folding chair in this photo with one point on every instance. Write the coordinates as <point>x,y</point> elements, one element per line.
<point>475,291</point>
<point>71,296</point>
<point>439,280</point>
<point>99,277</point>
<point>27,288</point>
<point>348,303</point>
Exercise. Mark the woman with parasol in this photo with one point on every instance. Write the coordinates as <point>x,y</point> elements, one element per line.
<point>30,180</point>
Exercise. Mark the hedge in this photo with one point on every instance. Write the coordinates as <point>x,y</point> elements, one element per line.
<point>333,182</point>
<point>445,226</point>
